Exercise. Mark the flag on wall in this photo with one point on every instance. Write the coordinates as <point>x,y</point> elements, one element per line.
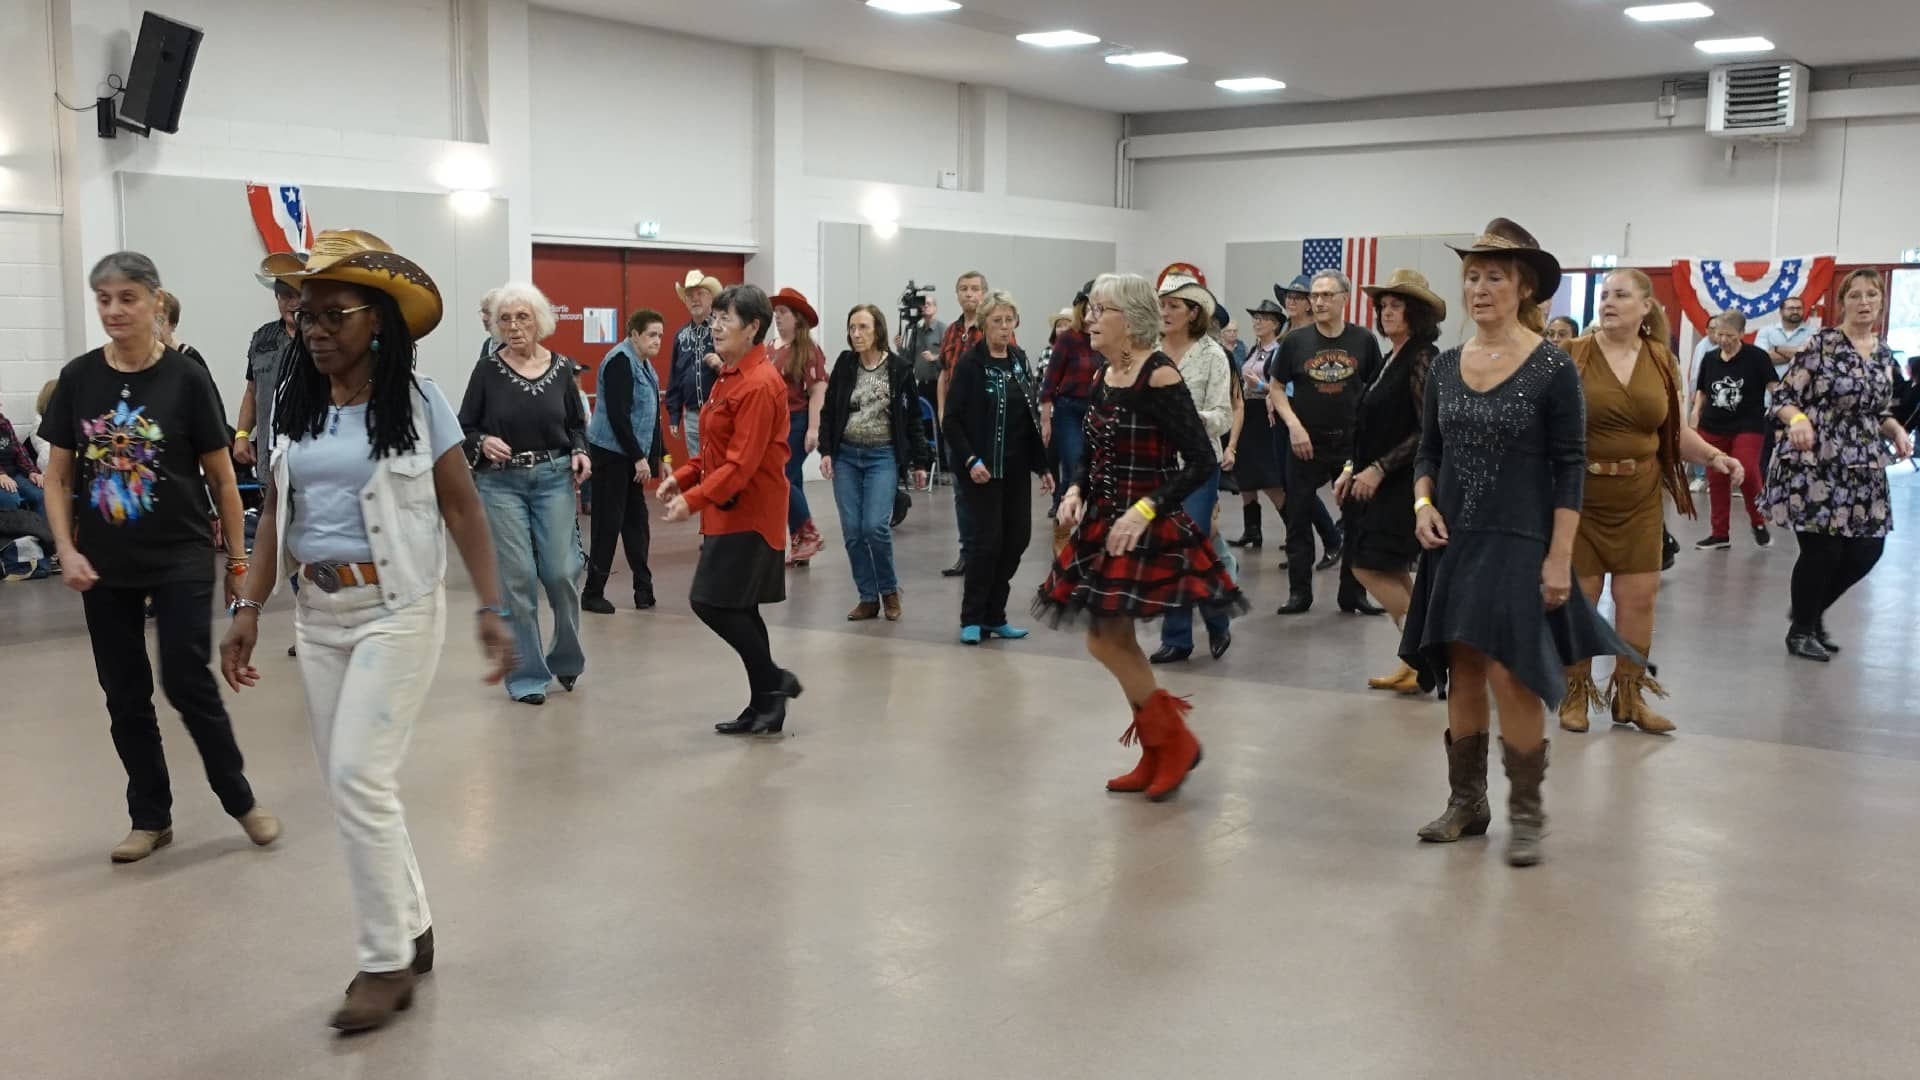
<point>1356,256</point>
<point>1706,287</point>
<point>281,216</point>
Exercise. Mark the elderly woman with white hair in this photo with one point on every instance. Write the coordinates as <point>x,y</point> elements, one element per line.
<point>526,434</point>
<point>1135,553</point>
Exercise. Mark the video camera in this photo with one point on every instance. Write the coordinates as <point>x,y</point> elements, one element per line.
<point>913,305</point>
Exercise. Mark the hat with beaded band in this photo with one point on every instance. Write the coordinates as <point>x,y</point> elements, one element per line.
<point>356,257</point>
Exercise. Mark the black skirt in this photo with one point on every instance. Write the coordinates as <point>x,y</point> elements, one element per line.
<point>739,570</point>
<point>1380,530</point>
<point>1255,468</point>
<point>1483,590</point>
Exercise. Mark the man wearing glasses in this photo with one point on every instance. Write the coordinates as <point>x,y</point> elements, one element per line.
<point>1328,365</point>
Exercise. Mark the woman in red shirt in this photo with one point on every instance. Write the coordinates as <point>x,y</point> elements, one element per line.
<point>804,367</point>
<point>738,486</point>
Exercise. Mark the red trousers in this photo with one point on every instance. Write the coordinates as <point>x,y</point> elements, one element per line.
<point>1745,449</point>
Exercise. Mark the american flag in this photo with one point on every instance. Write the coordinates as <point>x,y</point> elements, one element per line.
<point>1357,256</point>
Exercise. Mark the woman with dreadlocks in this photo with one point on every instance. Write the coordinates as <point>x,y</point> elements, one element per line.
<point>366,470</point>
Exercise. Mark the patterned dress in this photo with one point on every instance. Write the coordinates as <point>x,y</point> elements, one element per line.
<point>1840,486</point>
<point>1143,442</point>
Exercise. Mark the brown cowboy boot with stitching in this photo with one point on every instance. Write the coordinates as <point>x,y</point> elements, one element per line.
<point>1467,812</point>
<point>890,606</point>
<point>1526,812</point>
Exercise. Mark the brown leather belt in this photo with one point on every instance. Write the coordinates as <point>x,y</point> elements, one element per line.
<point>1619,468</point>
<point>331,577</point>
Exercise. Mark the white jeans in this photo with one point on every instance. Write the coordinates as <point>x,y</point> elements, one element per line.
<point>367,672</point>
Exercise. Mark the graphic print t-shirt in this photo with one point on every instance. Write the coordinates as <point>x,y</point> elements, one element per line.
<point>1736,391</point>
<point>140,505</point>
<point>1327,376</point>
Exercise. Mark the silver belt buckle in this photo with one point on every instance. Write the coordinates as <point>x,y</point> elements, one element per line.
<point>326,576</point>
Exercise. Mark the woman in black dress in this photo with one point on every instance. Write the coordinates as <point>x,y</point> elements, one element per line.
<point>1375,489</point>
<point>1497,492</point>
<point>1134,553</point>
<point>1255,468</point>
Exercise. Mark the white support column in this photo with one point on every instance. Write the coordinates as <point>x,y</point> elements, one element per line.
<point>509,124</point>
<point>983,138</point>
<point>786,235</point>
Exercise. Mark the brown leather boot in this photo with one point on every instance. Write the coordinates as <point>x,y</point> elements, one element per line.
<point>373,998</point>
<point>1467,812</point>
<point>1163,729</point>
<point>1526,811</point>
<point>890,606</point>
<point>1630,681</point>
<point>864,610</point>
<point>1142,774</point>
<point>141,843</point>
<point>1582,697</point>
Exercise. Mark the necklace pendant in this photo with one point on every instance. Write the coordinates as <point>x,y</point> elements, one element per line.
<point>333,425</point>
<point>125,391</point>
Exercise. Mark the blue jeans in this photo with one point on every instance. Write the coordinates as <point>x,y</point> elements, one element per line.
<point>798,512</point>
<point>1069,442</point>
<point>1176,627</point>
<point>864,478</point>
<point>536,539</point>
<point>692,431</point>
<point>29,497</point>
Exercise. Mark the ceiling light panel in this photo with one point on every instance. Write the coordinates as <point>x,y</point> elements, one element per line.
<point>1058,39</point>
<point>1731,46</point>
<point>1251,85</point>
<point>1659,13</point>
<point>1146,59</point>
<point>914,7</point>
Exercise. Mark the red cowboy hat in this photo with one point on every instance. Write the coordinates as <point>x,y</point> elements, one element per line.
<point>791,298</point>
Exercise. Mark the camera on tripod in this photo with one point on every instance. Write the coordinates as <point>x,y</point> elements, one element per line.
<point>913,305</point>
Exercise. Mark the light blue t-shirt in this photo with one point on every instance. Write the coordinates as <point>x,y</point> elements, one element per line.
<point>328,472</point>
<point>1774,337</point>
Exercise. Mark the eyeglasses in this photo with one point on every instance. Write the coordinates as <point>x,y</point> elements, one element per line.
<point>1094,311</point>
<point>518,318</point>
<point>332,319</point>
<point>1327,296</point>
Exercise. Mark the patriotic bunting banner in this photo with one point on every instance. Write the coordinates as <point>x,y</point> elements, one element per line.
<point>1356,256</point>
<point>1706,287</point>
<point>281,216</point>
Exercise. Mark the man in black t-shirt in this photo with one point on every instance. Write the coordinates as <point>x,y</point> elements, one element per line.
<point>1730,412</point>
<point>1328,365</point>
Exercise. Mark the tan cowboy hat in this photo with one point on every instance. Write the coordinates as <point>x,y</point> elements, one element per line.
<point>698,280</point>
<point>1502,236</point>
<point>1180,287</point>
<point>1409,284</point>
<point>357,257</point>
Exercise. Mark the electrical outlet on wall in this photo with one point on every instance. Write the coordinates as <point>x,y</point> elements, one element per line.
<point>949,180</point>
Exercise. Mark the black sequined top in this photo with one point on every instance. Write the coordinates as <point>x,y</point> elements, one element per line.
<point>1506,459</point>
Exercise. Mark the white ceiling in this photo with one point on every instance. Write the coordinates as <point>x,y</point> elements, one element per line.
<point>1323,49</point>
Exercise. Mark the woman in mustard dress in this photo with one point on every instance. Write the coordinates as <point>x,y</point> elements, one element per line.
<point>1635,448</point>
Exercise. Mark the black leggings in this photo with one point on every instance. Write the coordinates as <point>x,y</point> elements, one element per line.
<point>746,632</point>
<point>1828,566</point>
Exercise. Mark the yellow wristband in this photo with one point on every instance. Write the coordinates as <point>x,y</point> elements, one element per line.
<point>1146,509</point>
<point>1796,418</point>
<point>1420,503</point>
<point>243,434</point>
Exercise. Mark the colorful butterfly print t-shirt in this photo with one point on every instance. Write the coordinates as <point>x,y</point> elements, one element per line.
<point>140,507</point>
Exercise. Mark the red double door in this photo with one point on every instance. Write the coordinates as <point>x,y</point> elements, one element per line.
<point>580,279</point>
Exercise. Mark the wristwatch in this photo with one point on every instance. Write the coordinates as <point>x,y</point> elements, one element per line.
<point>241,603</point>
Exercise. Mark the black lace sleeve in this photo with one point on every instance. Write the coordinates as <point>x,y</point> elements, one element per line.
<point>1173,409</point>
<point>1432,446</point>
<point>1566,421</point>
<point>1402,453</point>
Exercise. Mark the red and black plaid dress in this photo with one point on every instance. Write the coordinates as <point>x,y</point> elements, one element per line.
<point>1137,440</point>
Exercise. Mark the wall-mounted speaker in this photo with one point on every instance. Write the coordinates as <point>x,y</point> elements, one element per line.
<point>157,86</point>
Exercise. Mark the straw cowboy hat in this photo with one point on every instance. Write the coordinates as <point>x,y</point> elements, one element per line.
<point>1301,284</point>
<point>698,280</point>
<point>792,300</point>
<point>1409,284</point>
<point>1178,287</point>
<point>1506,238</point>
<point>356,257</point>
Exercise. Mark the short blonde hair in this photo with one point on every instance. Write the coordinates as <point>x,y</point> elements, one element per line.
<point>994,301</point>
<point>1134,297</point>
<point>522,292</point>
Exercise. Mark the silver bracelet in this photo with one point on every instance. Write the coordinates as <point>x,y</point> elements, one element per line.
<point>241,603</point>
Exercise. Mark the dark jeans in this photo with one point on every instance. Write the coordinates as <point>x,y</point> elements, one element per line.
<point>1069,442</point>
<point>1828,566</point>
<point>1322,519</point>
<point>746,632</point>
<point>1304,480</point>
<point>798,512</point>
<point>619,517</point>
<point>183,621</point>
<point>1002,515</point>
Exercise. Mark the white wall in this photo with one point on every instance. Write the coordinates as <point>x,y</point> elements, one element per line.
<point>1060,152</point>
<point>29,135</point>
<point>32,320</point>
<point>863,124</point>
<point>632,124</point>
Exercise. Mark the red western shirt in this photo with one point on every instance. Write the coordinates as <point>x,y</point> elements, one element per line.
<point>738,481</point>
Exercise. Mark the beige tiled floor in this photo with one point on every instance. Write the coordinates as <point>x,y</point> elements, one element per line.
<point>926,880</point>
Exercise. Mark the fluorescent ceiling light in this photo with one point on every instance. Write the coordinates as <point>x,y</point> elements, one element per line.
<point>1658,13</point>
<point>1057,39</point>
<point>1723,46</point>
<point>1251,85</point>
<point>1146,59</point>
<point>914,7</point>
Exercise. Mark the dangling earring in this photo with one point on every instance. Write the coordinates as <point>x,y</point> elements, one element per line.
<point>376,343</point>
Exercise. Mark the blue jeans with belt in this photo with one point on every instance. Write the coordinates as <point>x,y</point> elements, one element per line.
<point>1176,627</point>
<point>536,541</point>
<point>798,512</point>
<point>1069,442</point>
<point>864,479</point>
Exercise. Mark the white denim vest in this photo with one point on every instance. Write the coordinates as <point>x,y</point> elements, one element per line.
<point>401,510</point>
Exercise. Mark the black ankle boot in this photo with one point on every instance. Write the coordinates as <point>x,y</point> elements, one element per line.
<point>1250,533</point>
<point>1825,639</point>
<point>1802,643</point>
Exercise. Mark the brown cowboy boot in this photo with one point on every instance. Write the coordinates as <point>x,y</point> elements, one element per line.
<point>373,998</point>
<point>890,606</point>
<point>1582,697</point>
<point>1526,813</point>
<point>1467,812</point>
<point>1630,680</point>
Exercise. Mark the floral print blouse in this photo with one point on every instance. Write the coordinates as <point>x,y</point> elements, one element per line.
<point>1840,485</point>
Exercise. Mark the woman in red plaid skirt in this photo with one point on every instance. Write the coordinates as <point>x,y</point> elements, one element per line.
<point>1134,553</point>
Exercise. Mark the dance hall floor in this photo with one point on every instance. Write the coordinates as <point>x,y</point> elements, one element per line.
<point>926,881</point>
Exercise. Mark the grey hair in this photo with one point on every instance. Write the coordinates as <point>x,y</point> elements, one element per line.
<point>1134,297</point>
<point>1335,276</point>
<point>125,266</point>
<point>1736,318</point>
<point>995,300</point>
<point>522,292</point>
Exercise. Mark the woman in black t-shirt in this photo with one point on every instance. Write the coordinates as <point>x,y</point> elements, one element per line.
<point>1730,413</point>
<point>133,427</point>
